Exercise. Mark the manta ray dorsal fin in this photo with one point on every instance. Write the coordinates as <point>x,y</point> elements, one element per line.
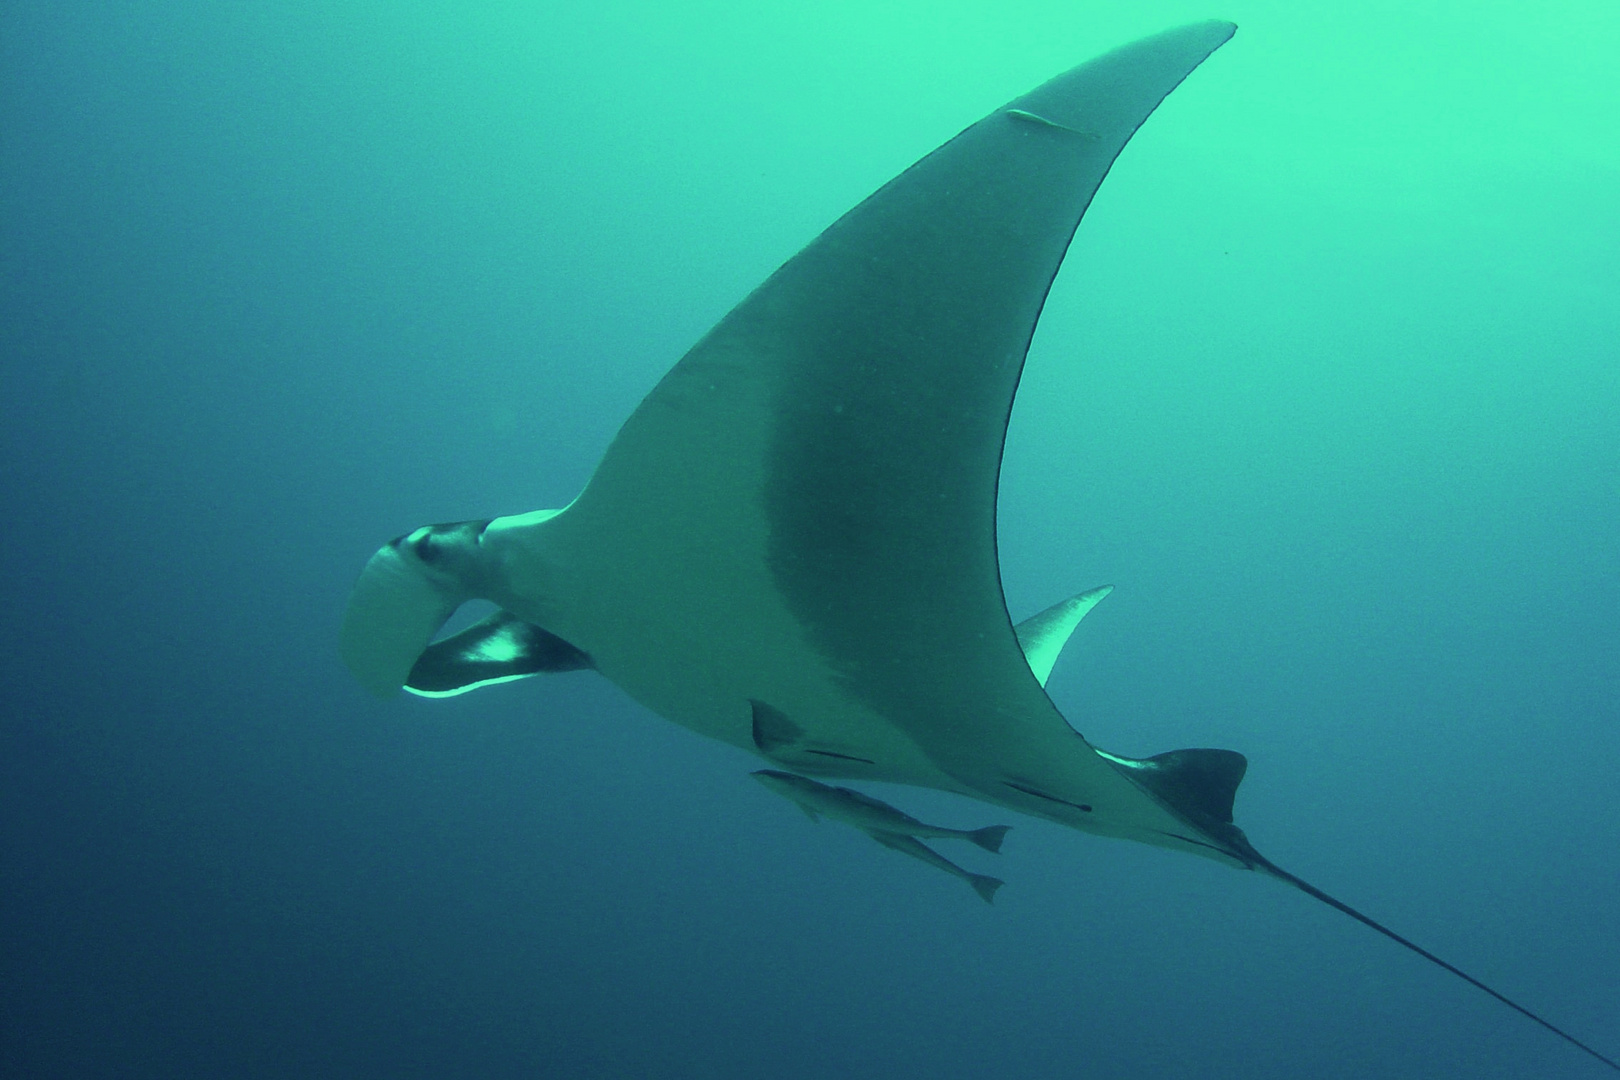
<point>1043,636</point>
<point>1200,784</point>
<point>498,649</point>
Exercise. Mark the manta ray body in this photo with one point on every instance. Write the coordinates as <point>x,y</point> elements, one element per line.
<point>790,545</point>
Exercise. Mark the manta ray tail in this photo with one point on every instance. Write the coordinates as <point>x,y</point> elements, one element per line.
<point>1307,888</point>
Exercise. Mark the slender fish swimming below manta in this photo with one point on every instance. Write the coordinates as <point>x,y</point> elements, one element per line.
<point>890,827</point>
<point>790,545</point>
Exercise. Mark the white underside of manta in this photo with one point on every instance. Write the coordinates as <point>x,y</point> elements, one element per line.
<point>790,545</point>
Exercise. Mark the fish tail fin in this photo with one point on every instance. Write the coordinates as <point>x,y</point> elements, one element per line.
<point>989,838</point>
<point>985,886</point>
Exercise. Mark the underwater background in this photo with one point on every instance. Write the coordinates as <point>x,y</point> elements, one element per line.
<point>1327,388</point>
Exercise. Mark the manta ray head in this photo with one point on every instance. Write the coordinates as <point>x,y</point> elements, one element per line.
<point>452,553</point>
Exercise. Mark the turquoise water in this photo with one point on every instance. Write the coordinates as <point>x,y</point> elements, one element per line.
<point>1328,390</point>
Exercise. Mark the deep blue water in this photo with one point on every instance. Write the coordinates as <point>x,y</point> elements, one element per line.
<point>1328,389</point>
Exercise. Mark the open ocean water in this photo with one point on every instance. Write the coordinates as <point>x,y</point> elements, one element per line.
<point>1328,389</point>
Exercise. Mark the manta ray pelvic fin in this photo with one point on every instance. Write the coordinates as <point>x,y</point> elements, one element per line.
<point>780,739</point>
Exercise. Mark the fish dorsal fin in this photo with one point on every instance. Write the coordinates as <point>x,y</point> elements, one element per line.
<point>1200,784</point>
<point>1043,636</point>
<point>498,649</point>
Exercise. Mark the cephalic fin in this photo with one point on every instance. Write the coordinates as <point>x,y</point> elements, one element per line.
<point>498,649</point>
<point>395,609</point>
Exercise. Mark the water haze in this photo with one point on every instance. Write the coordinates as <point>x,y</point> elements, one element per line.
<point>1327,389</point>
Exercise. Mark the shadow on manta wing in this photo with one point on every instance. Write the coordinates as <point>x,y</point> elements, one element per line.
<point>790,544</point>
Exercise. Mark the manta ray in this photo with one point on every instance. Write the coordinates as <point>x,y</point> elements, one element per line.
<point>790,545</point>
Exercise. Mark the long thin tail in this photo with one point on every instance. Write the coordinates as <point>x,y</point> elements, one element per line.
<point>1311,890</point>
